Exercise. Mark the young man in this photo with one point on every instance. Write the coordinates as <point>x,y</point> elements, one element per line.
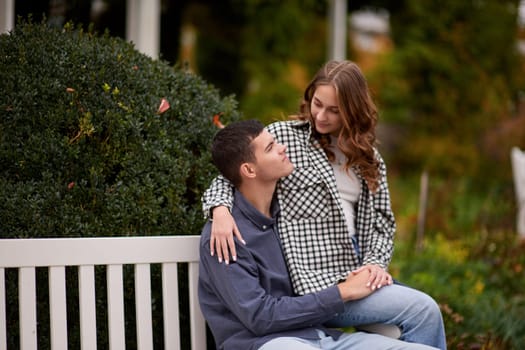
<point>249,303</point>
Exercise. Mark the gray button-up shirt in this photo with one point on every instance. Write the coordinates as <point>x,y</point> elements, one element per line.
<point>251,301</point>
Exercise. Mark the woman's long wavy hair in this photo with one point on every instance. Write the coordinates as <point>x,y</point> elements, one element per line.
<point>359,117</point>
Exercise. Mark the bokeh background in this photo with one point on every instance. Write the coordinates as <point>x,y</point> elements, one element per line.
<point>449,80</point>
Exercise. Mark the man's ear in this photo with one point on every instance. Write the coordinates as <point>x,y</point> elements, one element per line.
<point>247,170</point>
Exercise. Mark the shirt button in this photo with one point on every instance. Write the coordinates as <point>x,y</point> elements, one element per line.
<point>265,227</point>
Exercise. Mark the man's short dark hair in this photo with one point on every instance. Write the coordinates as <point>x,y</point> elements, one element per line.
<point>232,146</point>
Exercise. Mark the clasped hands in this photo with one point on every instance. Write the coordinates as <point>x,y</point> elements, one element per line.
<point>363,282</point>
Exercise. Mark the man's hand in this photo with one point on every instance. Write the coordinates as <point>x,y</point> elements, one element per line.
<point>354,287</point>
<point>222,230</point>
<point>378,276</point>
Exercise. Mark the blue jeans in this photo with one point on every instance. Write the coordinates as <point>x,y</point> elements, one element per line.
<point>358,340</point>
<point>415,313</point>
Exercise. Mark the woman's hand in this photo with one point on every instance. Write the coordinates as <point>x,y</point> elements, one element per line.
<point>378,276</point>
<point>354,286</point>
<point>223,228</point>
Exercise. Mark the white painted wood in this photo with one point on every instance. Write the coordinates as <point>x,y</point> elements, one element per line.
<point>27,308</point>
<point>197,328</point>
<point>518,171</point>
<point>170,306</point>
<point>113,253</point>
<point>3,324</point>
<point>98,251</point>
<point>143,307</point>
<point>116,322</point>
<point>87,307</point>
<point>57,307</point>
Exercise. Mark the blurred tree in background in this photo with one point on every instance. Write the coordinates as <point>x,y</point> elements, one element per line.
<point>451,94</point>
<point>283,45</point>
<point>452,82</point>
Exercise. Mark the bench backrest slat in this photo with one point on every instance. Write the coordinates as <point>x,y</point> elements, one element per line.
<point>87,304</point>
<point>117,332</point>
<point>85,254</point>
<point>170,306</point>
<point>3,320</point>
<point>27,305</point>
<point>143,307</point>
<point>197,324</point>
<point>57,307</point>
<point>98,251</point>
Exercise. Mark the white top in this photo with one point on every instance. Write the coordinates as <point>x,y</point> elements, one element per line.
<point>347,185</point>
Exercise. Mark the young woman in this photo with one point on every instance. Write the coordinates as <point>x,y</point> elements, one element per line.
<point>335,206</point>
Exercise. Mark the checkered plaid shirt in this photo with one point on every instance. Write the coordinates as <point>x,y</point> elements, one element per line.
<point>312,227</point>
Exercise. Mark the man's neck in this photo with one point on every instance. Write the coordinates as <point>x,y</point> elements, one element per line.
<point>259,195</point>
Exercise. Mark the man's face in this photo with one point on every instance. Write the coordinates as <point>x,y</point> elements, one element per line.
<point>272,163</point>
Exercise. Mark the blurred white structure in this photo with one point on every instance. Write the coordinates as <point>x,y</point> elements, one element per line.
<point>367,26</point>
<point>142,22</point>
<point>521,14</point>
<point>521,27</point>
<point>518,169</point>
<point>143,25</point>
<point>337,29</point>
<point>7,15</point>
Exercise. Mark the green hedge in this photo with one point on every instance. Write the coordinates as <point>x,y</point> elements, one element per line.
<point>83,149</point>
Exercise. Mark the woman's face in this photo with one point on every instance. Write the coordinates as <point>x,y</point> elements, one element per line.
<point>325,110</point>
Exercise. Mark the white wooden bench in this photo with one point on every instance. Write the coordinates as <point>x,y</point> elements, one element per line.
<point>86,253</point>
